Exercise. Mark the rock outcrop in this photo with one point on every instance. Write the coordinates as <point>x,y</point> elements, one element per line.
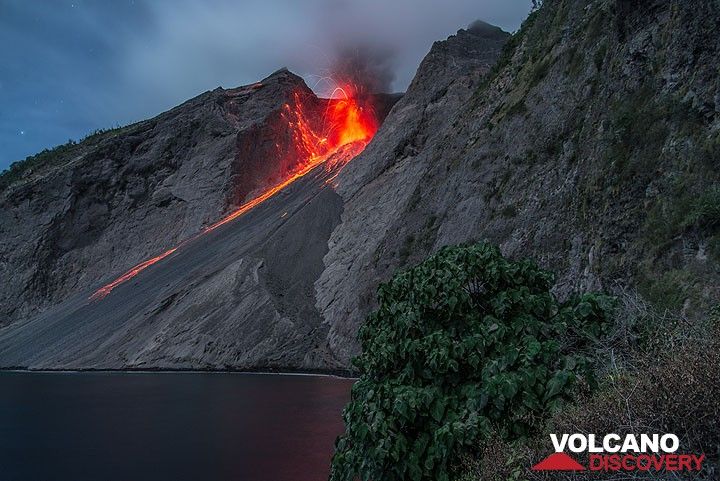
<point>123,196</point>
<point>593,146</point>
<point>381,185</point>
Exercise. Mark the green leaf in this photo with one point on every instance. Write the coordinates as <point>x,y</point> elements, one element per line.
<point>464,346</point>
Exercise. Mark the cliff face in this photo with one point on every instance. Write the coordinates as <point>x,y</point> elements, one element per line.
<point>123,196</point>
<point>593,146</point>
<point>381,183</point>
<point>240,297</point>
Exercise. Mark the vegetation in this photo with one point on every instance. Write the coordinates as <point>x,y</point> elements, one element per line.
<point>705,211</point>
<point>46,157</point>
<point>667,379</point>
<point>49,157</point>
<point>506,55</point>
<point>660,368</point>
<point>685,214</point>
<point>466,345</point>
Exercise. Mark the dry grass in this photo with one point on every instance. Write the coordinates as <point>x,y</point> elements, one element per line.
<point>661,374</point>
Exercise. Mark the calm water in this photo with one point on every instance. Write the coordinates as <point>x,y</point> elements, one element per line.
<point>168,426</point>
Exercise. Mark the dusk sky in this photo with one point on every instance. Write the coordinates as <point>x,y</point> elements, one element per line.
<point>68,67</point>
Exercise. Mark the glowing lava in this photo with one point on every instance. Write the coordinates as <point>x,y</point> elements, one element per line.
<point>350,120</point>
<point>105,290</point>
<point>347,125</point>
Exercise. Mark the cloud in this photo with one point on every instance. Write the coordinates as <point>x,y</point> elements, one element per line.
<point>68,70</point>
<point>197,46</point>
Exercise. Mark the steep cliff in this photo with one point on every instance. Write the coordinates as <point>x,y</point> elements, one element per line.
<point>121,196</point>
<point>380,183</point>
<point>593,146</point>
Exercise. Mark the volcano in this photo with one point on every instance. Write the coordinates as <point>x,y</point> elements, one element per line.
<point>330,138</point>
<point>235,291</point>
<point>238,230</point>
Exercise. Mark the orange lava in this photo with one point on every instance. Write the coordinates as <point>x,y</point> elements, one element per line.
<point>350,120</point>
<point>105,290</point>
<point>346,120</point>
<point>265,195</point>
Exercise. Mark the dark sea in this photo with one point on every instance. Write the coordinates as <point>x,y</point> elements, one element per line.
<point>168,426</point>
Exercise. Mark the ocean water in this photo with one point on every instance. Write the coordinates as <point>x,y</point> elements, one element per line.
<point>168,426</point>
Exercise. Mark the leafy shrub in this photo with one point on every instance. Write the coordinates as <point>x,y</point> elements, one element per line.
<point>674,391</point>
<point>465,344</point>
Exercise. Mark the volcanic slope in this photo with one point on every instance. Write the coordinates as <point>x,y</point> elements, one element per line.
<point>239,296</point>
<point>238,291</point>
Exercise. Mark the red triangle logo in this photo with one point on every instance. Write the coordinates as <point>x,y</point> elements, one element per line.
<point>558,462</point>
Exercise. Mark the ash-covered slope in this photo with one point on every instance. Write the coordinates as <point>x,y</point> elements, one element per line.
<point>238,296</point>
<point>593,146</point>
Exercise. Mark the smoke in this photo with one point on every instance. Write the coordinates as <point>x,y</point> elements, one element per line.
<point>377,45</point>
<point>370,69</point>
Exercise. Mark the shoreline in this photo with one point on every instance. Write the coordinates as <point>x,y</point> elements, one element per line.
<point>333,373</point>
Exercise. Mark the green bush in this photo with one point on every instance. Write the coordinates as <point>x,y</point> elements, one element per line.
<point>465,344</point>
<point>706,209</point>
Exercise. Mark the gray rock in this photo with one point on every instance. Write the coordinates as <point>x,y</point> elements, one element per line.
<point>550,157</point>
<point>238,297</point>
<point>588,147</point>
<point>119,199</point>
<point>381,187</point>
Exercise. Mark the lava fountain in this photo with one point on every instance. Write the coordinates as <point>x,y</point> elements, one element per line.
<point>348,123</point>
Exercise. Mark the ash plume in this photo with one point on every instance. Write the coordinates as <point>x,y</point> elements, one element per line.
<point>371,69</point>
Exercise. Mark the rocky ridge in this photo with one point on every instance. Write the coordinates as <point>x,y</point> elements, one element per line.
<point>593,146</point>
<point>125,195</point>
<point>237,297</point>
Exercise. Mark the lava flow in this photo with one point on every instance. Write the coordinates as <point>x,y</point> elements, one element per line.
<point>348,120</point>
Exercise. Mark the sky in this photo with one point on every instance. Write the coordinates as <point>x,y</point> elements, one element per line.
<point>68,67</point>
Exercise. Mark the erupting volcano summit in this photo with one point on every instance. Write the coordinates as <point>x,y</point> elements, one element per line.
<point>338,129</point>
<point>206,226</point>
